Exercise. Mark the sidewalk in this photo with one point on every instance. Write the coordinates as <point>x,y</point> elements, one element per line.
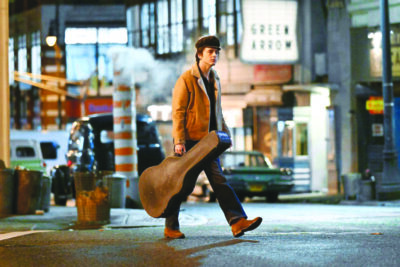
<point>65,218</point>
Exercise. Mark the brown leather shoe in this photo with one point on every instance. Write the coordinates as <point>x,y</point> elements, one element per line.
<point>174,234</point>
<point>243,225</point>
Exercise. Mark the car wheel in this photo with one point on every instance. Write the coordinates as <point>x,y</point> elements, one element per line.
<point>272,197</point>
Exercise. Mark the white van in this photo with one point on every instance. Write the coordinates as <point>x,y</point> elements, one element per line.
<point>26,153</point>
<point>52,144</point>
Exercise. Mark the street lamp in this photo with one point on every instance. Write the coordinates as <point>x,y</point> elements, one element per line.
<point>389,186</point>
<point>51,38</point>
<point>51,41</point>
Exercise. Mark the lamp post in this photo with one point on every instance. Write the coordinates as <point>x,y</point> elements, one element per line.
<point>389,186</point>
<point>52,41</point>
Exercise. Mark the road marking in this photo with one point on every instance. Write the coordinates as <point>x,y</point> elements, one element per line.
<point>17,234</point>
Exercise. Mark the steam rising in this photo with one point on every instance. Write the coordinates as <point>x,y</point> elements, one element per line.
<point>137,66</point>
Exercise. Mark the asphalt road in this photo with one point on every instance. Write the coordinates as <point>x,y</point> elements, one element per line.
<point>290,235</point>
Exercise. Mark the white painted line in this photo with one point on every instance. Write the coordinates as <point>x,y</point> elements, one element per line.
<point>17,234</point>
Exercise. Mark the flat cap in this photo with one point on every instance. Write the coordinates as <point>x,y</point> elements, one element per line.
<point>208,41</point>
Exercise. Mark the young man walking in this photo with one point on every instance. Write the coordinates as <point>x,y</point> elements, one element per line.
<point>196,111</point>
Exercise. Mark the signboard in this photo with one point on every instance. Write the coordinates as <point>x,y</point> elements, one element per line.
<point>269,31</point>
<point>375,53</point>
<point>98,105</point>
<point>374,105</point>
<point>377,129</point>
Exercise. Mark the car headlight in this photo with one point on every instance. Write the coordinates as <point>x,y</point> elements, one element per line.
<point>286,171</point>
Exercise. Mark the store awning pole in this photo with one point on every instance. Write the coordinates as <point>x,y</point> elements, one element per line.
<point>4,85</point>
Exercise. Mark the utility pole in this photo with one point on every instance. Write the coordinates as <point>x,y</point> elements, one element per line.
<point>389,186</point>
<point>4,85</point>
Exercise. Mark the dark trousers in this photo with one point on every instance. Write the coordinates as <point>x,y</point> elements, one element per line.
<point>227,199</point>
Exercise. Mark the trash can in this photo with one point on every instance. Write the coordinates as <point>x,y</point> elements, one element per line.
<point>116,185</point>
<point>46,193</point>
<point>92,199</point>
<point>7,191</point>
<point>350,182</point>
<point>366,190</point>
<point>29,191</point>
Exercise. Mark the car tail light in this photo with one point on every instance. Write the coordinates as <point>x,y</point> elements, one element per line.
<point>44,164</point>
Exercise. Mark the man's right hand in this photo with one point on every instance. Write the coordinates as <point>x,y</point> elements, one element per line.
<point>180,149</point>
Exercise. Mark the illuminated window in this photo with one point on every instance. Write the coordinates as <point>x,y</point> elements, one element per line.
<point>11,67</point>
<point>22,60</point>
<point>170,26</point>
<point>209,16</point>
<point>35,53</point>
<point>132,18</point>
<point>176,26</point>
<point>145,24</point>
<point>86,52</point>
<point>191,14</point>
<point>163,45</point>
<point>229,14</point>
<point>80,36</point>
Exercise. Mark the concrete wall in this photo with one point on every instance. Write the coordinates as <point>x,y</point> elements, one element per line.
<point>339,72</point>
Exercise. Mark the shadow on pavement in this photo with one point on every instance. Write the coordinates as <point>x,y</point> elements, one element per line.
<point>161,254</point>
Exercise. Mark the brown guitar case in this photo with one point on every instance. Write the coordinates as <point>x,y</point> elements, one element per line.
<point>163,187</point>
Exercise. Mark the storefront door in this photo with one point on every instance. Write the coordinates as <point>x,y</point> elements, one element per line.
<point>293,151</point>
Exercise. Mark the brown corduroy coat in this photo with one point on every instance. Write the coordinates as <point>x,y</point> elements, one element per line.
<point>191,107</point>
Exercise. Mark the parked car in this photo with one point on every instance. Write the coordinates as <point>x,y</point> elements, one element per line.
<point>90,148</point>
<point>27,154</point>
<point>53,145</point>
<point>251,174</point>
